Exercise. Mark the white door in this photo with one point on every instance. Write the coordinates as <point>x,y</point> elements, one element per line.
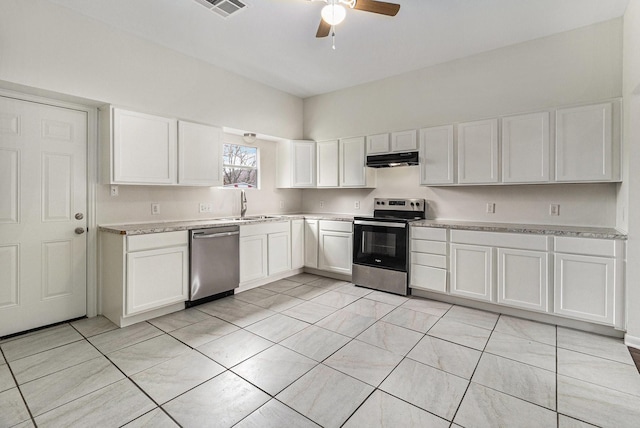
<point>523,279</point>
<point>311,243</point>
<point>279,250</point>
<point>336,251</point>
<point>297,244</point>
<point>253,258</point>
<point>525,148</point>
<point>436,155</point>
<point>43,203</point>
<point>478,152</point>
<point>304,164</point>
<point>327,163</point>
<point>352,162</point>
<point>472,271</point>
<point>199,155</point>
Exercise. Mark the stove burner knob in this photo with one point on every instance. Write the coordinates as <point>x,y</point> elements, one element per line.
<point>412,203</point>
<point>417,204</point>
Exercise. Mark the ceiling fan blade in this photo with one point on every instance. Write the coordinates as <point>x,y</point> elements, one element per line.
<point>323,29</point>
<point>381,7</point>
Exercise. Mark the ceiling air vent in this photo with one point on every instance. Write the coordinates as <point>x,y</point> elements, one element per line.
<point>224,8</point>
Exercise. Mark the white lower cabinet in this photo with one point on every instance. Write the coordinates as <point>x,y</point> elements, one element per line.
<point>265,250</point>
<point>472,271</point>
<point>523,279</point>
<point>311,243</point>
<point>253,258</point>
<point>297,244</point>
<point>279,252</point>
<point>143,274</point>
<point>335,246</point>
<point>588,280</point>
<point>428,270</point>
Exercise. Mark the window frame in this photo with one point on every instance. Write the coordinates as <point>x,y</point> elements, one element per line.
<point>245,167</point>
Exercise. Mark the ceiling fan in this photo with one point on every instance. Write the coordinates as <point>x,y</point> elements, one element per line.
<point>335,11</point>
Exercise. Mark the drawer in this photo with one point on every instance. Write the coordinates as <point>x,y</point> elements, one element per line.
<point>500,239</point>
<point>429,260</point>
<point>586,246</point>
<point>336,226</point>
<point>428,278</point>
<point>264,228</point>
<point>157,240</point>
<point>431,233</point>
<point>431,247</point>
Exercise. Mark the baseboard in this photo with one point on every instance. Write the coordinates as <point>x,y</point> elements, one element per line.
<point>328,274</point>
<point>632,341</point>
<point>245,286</point>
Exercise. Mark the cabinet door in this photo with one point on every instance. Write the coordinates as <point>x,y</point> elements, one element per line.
<point>156,278</point>
<point>523,279</point>
<point>584,287</point>
<point>436,155</point>
<point>472,271</point>
<point>478,152</point>
<point>327,163</point>
<point>352,162</point>
<point>336,251</point>
<point>144,148</point>
<point>253,258</point>
<point>279,249</point>
<point>297,244</point>
<point>311,243</point>
<point>525,148</point>
<point>304,164</point>
<point>377,144</point>
<point>584,143</point>
<point>428,278</point>
<point>404,141</point>
<point>199,155</point>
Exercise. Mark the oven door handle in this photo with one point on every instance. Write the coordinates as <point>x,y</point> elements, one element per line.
<point>380,223</point>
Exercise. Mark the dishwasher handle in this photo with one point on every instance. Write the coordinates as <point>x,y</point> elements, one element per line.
<point>203,235</point>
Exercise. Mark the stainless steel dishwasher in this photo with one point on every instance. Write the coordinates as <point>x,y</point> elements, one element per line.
<point>214,262</point>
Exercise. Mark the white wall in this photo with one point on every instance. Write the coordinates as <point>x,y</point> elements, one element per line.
<point>578,66</point>
<point>47,47</point>
<point>630,190</point>
<point>133,203</point>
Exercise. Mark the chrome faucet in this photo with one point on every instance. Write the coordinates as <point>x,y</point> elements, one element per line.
<point>243,204</point>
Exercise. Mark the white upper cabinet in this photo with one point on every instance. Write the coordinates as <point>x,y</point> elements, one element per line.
<point>327,158</point>
<point>296,164</point>
<point>404,141</point>
<point>584,147</point>
<point>199,155</point>
<point>353,172</point>
<point>143,148</point>
<point>378,144</point>
<point>437,155</point>
<point>478,152</point>
<point>525,148</point>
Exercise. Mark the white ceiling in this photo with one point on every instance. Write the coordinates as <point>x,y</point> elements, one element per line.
<point>273,41</point>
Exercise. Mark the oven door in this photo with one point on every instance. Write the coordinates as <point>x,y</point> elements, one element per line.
<point>381,244</point>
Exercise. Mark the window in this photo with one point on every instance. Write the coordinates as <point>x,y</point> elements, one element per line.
<point>240,166</point>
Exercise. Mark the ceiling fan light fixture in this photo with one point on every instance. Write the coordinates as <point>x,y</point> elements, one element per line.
<point>333,14</point>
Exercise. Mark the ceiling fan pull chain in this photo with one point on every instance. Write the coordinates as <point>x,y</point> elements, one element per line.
<point>333,40</point>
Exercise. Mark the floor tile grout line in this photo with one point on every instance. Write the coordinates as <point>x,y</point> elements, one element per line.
<point>17,386</point>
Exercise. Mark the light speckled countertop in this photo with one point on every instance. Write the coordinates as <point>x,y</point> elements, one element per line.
<point>571,231</point>
<point>172,226</point>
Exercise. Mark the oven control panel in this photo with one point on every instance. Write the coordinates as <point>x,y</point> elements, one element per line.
<point>384,204</point>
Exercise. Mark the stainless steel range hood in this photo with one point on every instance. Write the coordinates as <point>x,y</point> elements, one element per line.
<point>389,160</point>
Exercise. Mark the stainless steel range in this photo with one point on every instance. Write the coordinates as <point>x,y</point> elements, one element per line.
<point>381,245</point>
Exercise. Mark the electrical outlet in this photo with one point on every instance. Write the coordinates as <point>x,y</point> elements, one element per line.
<point>114,190</point>
<point>491,207</point>
<point>554,209</point>
<point>155,209</point>
<point>205,207</point>
<point>321,204</point>
<point>356,205</point>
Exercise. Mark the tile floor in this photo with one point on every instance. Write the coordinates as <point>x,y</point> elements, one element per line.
<point>310,351</point>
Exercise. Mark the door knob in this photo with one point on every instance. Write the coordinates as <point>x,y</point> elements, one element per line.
<point>79,216</point>
<point>79,230</point>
